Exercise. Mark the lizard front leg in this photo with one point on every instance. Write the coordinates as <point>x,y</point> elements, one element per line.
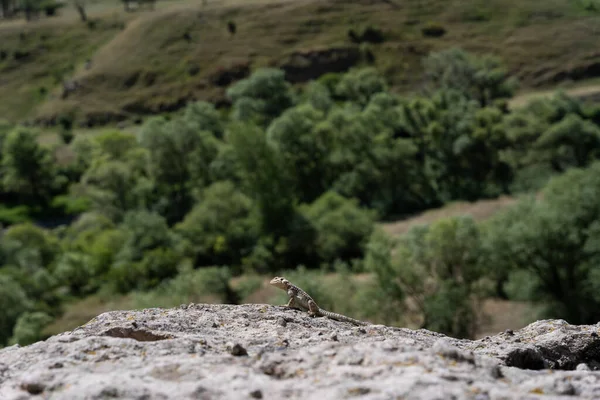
<point>290,302</point>
<point>293,301</point>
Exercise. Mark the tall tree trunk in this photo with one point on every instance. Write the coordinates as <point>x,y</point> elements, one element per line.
<point>79,5</point>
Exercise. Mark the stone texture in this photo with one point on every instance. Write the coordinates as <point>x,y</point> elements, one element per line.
<point>256,351</point>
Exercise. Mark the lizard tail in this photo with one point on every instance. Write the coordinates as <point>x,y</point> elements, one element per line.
<point>340,317</point>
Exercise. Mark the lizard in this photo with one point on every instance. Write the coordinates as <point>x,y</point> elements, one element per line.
<point>301,300</point>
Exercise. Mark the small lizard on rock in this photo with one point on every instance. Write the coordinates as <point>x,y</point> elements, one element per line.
<point>301,300</point>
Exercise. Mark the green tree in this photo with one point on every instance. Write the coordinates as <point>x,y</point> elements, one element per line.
<point>342,227</point>
<point>76,271</point>
<point>482,78</point>
<point>179,160</point>
<point>265,94</point>
<point>302,148</point>
<point>146,256</point>
<point>93,241</point>
<point>570,142</point>
<point>27,166</point>
<point>546,137</point>
<point>14,302</point>
<point>29,326</point>
<point>29,245</point>
<point>318,96</point>
<point>265,178</point>
<point>385,297</point>
<point>554,243</point>
<point>498,247</point>
<point>115,145</point>
<point>221,228</point>
<point>459,146</point>
<point>439,266</point>
<point>114,188</point>
<point>204,117</point>
<point>29,254</point>
<point>369,160</point>
<point>225,166</point>
<point>359,85</point>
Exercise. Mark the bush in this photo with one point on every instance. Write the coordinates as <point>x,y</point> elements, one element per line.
<point>146,256</point>
<point>265,94</point>
<point>14,302</point>
<point>367,35</point>
<point>29,326</point>
<point>14,215</point>
<point>342,227</point>
<point>482,78</point>
<point>76,270</point>
<point>360,84</point>
<point>433,30</point>
<point>158,264</point>
<point>29,246</point>
<point>205,285</point>
<point>439,268</point>
<point>221,229</point>
<point>384,297</point>
<point>203,116</point>
<point>557,241</point>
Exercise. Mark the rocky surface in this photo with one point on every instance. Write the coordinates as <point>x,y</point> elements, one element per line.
<point>256,351</point>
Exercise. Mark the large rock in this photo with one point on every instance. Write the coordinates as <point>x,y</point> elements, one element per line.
<point>259,351</point>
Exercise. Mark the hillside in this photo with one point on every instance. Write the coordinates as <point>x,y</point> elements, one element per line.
<point>154,61</point>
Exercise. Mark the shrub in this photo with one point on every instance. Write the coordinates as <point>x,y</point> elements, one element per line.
<point>14,215</point>
<point>482,78</point>
<point>14,302</point>
<point>265,92</point>
<point>204,285</point>
<point>29,326</point>
<point>75,270</point>
<point>373,35</point>
<point>555,240</point>
<point>439,268</point>
<point>360,84</point>
<point>342,227</point>
<point>220,229</point>
<point>433,30</point>
<point>367,35</point>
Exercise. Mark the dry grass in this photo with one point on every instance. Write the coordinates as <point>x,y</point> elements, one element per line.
<point>81,311</point>
<point>504,314</point>
<point>590,90</point>
<point>147,67</point>
<point>39,56</point>
<point>479,210</point>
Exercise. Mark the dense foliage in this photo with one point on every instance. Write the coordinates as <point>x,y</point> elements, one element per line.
<point>289,178</point>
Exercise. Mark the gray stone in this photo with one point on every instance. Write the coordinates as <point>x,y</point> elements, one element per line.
<point>197,352</point>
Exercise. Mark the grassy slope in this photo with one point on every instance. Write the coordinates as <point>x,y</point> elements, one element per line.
<point>146,67</point>
<point>49,52</point>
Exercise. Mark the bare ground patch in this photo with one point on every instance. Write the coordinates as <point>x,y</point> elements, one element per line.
<point>479,210</point>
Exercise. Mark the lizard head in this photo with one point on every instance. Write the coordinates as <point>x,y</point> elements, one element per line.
<point>280,282</point>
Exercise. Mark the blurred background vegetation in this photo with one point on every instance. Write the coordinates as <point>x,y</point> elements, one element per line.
<point>446,208</point>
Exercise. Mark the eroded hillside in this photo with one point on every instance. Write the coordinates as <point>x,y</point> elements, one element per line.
<point>153,61</point>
